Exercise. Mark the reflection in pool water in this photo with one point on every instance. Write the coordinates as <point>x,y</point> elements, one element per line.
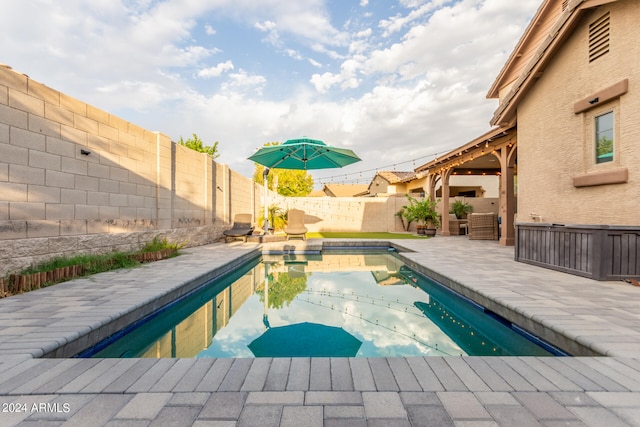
<point>373,297</point>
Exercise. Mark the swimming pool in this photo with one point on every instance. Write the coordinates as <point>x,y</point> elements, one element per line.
<point>338,303</point>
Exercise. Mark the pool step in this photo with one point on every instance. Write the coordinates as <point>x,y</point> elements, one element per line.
<point>260,238</point>
<point>292,247</point>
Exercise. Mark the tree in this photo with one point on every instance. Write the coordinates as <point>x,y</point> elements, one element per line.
<point>282,289</point>
<point>277,217</point>
<point>291,182</point>
<point>196,144</point>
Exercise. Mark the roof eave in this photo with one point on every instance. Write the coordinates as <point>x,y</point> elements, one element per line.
<point>490,135</point>
<point>497,83</point>
<point>506,112</point>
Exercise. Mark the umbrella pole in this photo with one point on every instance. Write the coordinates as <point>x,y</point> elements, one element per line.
<point>265,180</point>
<point>265,315</point>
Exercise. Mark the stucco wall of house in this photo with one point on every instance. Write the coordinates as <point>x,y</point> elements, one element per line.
<point>555,144</point>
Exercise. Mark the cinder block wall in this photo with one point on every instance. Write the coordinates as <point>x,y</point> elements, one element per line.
<point>355,214</point>
<point>74,178</point>
<point>362,214</point>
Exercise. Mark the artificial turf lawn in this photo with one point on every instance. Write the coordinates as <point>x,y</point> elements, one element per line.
<point>380,236</point>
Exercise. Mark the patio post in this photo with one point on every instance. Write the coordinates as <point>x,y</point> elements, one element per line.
<point>265,176</point>
<point>445,202</point>
<point>507,196</point>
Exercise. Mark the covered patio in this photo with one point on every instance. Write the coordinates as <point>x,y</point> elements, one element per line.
<point>494,153</point>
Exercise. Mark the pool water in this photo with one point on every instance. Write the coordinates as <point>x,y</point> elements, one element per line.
<point>333,304</point>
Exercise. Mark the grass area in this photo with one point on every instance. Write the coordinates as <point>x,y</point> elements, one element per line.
<point>158,244</point>
<point>64,268</point>
<point>93,264</point>
<point>349,235</point>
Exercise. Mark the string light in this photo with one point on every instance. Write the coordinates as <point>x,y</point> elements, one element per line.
<point>374,171</point>
<point>365,176</point>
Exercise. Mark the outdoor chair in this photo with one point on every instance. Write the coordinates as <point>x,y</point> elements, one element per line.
<point>483,226</point>
<point>295,224</point>
<point>241,228</point>
<point>457,226</point>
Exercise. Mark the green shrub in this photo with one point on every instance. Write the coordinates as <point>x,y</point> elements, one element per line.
<point>98,263</point>
<point>159,244</point>
<point>460,208</point>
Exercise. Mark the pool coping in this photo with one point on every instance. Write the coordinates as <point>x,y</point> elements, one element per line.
<point>86,315</point>
<point>140,311</point>
<point>535,326</point>
<point>544,332</point>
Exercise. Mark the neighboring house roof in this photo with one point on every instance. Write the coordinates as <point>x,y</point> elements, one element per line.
<point>563,26</point>
<point>395,177</point>
<point>317,193</point>
<point>344,190</point>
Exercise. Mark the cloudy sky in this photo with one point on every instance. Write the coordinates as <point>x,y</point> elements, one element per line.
<point>395,80</point>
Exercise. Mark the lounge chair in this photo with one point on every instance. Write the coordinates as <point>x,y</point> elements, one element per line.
<point>483,226</point>
<point>241,228</point>
<point>295,224</point>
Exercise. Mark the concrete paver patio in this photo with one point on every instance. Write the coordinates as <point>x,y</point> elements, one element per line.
<point>585,317</point>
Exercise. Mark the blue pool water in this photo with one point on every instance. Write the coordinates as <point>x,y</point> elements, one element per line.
<point>334,304</point>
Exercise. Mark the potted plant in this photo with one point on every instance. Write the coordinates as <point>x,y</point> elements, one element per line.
<point>424,213</point>
<point>277,218</point>
<point>461,209</point>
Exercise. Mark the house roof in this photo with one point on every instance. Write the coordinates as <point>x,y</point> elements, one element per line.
<point>317,193</point>
<point>523,48</point>
<point>557,34</point>
<point>395,177</point>
<point>473,144</point>
<point>344,190</point>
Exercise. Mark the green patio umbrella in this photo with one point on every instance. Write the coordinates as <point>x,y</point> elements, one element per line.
<point>304,154</point>
<point>305,340</point>
<point>300,154</point>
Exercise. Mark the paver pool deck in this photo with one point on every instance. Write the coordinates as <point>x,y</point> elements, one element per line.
<point>600,321</point>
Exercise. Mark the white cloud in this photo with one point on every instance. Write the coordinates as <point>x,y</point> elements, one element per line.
<point>396,23</point>
<point>209,30</point>
<point>412,4</point>
<point>266,26</point>
<point>346,79</point>
<point>364,33</point>
<point>292,53</point>
<point>216,71</point>
<point>242,81</point>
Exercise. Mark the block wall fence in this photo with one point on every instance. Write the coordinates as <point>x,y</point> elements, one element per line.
<point>76,179</point>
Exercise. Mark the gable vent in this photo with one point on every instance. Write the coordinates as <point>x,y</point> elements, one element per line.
<point>565,3</point>
<point>599,37</point>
